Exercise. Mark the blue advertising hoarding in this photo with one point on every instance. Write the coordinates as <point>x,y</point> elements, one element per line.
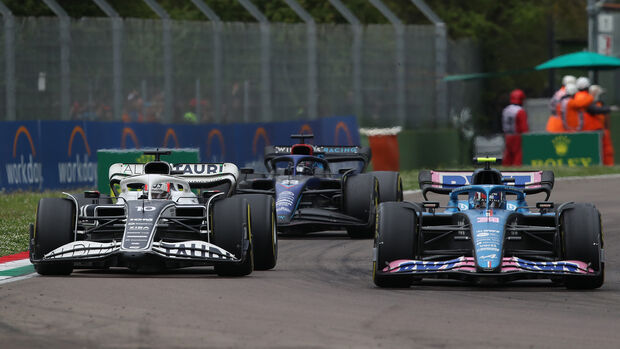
<point>42,155</point>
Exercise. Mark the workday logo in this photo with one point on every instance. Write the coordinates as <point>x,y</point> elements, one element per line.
<point>81,170</point>
<point>341,127</point>
<point>24,170</point>
<point>215,140</point>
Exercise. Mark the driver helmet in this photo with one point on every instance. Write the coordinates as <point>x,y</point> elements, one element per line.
<point>160,191</point>
<point>305,168</point>
<point>497,199</point>
<point>480,200</point>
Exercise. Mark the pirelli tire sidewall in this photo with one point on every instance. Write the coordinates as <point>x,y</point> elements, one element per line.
<point>232,232</point>
<point>54,226</point>
<point>582,239</point>
<point>396,238</point>
<point>361,200</point>
<point>264,234</point>
<point>390,185</point>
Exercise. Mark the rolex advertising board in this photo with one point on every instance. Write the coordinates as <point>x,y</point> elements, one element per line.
<point>581,149</point>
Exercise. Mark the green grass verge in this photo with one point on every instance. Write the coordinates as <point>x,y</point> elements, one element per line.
<point>18,208</point>
<point>18,211</point>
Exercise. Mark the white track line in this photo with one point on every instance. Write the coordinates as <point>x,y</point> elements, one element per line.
<point>14,264</point>
<point>606,176</point>
<point>17,278</point>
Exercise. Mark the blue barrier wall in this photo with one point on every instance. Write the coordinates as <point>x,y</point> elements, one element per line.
<point>40,155</point>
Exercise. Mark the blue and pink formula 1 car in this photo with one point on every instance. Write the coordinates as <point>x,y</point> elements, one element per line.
<point>487,233</point>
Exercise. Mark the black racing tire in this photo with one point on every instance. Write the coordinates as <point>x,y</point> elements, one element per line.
<point>395,239</point>
<point>231,231</point>
<point>264,233</point>
<point>361,200</point>
<point>54,226</point>
<point>390,185</point>
<point>582,240</point>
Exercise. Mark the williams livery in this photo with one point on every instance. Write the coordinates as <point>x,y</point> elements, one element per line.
<point>487,233</point>
<point>323,187</point>
<point>160,216</point>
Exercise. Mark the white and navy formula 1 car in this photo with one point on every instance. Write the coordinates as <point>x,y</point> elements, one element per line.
<point>319,188</point>
<point>158,221</point>
<point>487,233</point>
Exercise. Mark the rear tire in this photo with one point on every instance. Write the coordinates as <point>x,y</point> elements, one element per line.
<point>390,185</point>
<point>54,227</point>
<point>395,239</point>
<point>264,233</point>
<point>582,240</point>
<point>361,200</point>
<point>232,232</point>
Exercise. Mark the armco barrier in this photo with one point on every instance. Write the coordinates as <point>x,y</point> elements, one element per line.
<point>40,155</point>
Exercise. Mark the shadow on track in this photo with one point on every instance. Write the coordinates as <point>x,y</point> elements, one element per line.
<point>324,235</point>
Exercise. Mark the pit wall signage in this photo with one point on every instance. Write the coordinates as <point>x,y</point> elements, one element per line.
<point>581,149</point>
<point>40,155</point>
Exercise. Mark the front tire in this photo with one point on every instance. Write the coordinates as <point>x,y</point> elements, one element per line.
<point>582,240</point>
<point>54,227</point>
<point>361,199</point>
<point>232,232</point>
<point>395,239</point>
<point>264,233</point>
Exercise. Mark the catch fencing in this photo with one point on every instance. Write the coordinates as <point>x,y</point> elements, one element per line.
<point>113,69</point>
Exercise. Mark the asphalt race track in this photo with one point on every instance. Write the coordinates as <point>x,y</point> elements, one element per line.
<point>320,295</point>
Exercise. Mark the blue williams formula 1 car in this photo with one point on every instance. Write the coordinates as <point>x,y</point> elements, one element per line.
<point>161,216</point>
<point>487,233</point>
<point>320,188</point>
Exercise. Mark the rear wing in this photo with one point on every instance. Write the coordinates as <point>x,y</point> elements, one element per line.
<point>443,182</point>
<point>331,153</point>
<point>202,175</point>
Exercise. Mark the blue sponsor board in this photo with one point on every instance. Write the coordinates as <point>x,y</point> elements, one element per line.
<point>40,155</point>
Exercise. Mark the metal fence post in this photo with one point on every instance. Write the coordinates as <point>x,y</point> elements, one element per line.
<point>65,46</point>
<point>441,55</point>
<point>356,53</point>
<point>265,58</point>
<point>197,99</point>
<point>217,56</point>
<point>117,54</point>
<point>9,61</point>
<point>312,57</point>
<point>168,97</point>
<point>399,30</point>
